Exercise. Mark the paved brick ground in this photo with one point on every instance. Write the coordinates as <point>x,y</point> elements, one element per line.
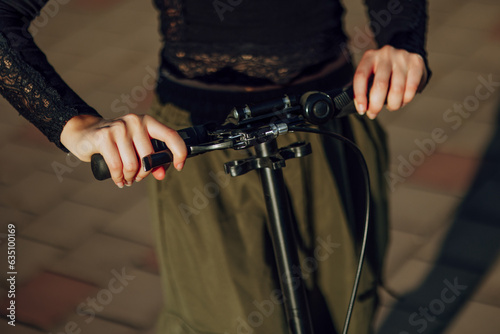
<point>75,236</point>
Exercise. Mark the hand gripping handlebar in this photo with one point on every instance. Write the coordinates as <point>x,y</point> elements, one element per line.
<point>248,125</point>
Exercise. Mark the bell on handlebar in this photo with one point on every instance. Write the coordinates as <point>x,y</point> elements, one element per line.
<point>317,107</point>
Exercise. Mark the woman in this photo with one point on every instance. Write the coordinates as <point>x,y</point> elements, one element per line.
<point>217,266</point>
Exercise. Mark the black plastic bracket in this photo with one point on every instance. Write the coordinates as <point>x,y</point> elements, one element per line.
<point>276,161</point>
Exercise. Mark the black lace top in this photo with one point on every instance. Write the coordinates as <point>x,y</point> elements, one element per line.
<point>262,42</point>
<point>249,42</point>
<point>252,42</point>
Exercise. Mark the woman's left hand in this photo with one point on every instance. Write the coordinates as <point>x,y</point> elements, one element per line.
<point>397,76</point>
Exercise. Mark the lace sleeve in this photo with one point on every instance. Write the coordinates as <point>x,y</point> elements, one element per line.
<point>30,83</point>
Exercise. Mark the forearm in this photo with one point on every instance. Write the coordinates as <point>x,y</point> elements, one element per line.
<point>27,80</point>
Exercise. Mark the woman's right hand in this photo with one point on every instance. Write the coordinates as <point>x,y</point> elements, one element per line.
<point>122,142</point>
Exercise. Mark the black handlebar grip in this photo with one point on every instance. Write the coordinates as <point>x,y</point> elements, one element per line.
<point>344,103</point>
<point>99,167</point>
<point>101,171</point>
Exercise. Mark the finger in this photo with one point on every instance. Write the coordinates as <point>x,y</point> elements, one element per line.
<point>396,90</point>
<point>111,156</point>
<point>133,143</point>
<point>143,147</point>
<point>360,83</point>
<point>378,92</point>
<point>171,138</point>
<point>130,160</point>
<point>420,68</point>
<point>413,81</point>
<point>160,172</point>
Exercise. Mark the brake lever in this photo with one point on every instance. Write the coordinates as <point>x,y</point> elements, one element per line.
<point>227,138</point>
<point>165,156</point>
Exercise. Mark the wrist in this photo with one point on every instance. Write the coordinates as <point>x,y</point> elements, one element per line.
<point>75,127</point>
